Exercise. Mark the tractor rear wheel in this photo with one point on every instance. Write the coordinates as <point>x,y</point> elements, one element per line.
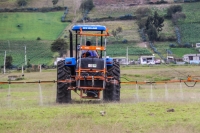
<point>112,89</point>
<point>63,73</point>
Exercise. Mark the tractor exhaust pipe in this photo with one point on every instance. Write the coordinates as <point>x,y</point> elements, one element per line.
<point>71,43</point>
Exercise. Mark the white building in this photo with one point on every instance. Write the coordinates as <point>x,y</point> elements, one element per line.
<point>192,58</point>
<point>147,59</point>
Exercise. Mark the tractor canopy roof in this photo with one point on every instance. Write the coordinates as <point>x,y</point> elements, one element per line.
<point>89,27</point>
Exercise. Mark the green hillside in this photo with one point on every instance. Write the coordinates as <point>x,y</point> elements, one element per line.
<point>25,28</point>
<point>29,26</point>
<point>37,51</point>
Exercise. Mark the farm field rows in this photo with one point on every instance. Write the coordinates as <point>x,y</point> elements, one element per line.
<point>37,51</point>
<point>189,27</point>
<point>176,52</point>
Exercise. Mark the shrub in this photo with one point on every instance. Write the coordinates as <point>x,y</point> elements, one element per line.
<point>141,22</point>
<point>127,17</point>
<point>172,45</point>
<point>142,12</point>
<point>162,37</point>
<point>173,9</point>
<point>87,5</point>
<point>187,45</point>
<point>22,2</point>
<point>171,38</point>
<point>178,15</point>
<point>38,38</point>
<point>54,2</point>
<point>161,2</point>
<point>125,41</point>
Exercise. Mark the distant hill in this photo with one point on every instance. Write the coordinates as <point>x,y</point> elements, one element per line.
<point>107,11</point>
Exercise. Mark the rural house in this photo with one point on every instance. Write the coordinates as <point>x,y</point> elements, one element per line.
<point>147,59</point>
<point>192,58</point>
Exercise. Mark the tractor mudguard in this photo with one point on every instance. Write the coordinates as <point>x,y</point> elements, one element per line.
<point>109,61</point>
<point>70,61</point>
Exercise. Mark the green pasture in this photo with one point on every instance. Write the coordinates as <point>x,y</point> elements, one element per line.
<point>121,50</point>
<point>176,52</point>
<point>37,51</point>
<point>179,52</point>
<point>142,109</point>
<point>30,26</point>
<point>134,118</point>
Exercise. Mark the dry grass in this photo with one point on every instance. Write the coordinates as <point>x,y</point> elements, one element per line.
<point>36,3</point>
<point>171,72</point>
<point>129,29</point>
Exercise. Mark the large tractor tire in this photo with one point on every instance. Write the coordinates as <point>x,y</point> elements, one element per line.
<point>112,89</point>
<point>63,73</point>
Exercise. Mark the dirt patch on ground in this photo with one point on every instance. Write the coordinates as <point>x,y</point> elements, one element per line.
<point>142,44</point>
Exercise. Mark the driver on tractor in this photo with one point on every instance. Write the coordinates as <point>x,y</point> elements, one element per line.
<point>89,53</point>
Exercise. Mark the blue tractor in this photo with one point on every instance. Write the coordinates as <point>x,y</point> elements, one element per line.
<point>88,75</point>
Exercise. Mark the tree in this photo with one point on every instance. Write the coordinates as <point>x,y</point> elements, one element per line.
<point>29,64</point>
<point>141,22</point>
<point>59,46</point>
<point>154,25</point>
<point>87,5</point>
<point>115,32</point>
<point>142,12</point>
<point>176,16</point>
<point>152,33</point>
<point>9,60</point>
<point>155,20</point>
<point>54,2</point>
<point>22,2</point>
<point>172,10</point>
<point>119,29</point>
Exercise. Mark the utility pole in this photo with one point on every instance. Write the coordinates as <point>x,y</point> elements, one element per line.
<point>167,55</point>
<point>4,70</point>
<point>25,56</point>
<point>127,56</point>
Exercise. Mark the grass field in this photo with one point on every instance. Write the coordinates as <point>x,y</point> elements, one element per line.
<point>114,50</point>
<point>141,110</point>
<point>30,26</point>
<point>176,52</point>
